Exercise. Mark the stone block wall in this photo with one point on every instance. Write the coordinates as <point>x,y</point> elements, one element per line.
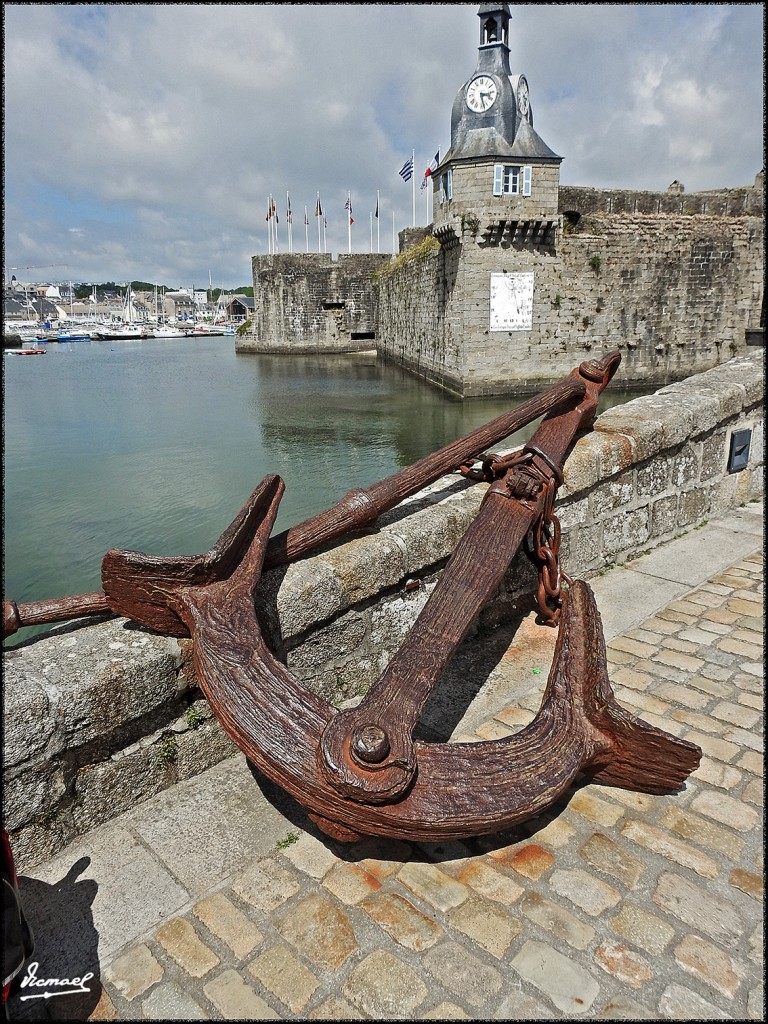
<point>100,716</point>
<point>416,331</point>
<point>748,201</point>
<point>675,292</point>
<point>473,193</point>
<point>309,302</point>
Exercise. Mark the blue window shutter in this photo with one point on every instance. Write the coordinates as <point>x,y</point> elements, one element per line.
<point>449,183</point>
<point>526,181</point>
<point>498,179</point>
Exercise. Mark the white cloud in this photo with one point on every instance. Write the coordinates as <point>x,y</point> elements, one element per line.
<point>161,129</point>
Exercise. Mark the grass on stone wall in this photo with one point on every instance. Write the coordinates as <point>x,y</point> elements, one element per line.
<point>422,250</point>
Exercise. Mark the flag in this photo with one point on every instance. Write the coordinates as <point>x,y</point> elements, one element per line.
<point>377,207</point>
<point>429,171</point>
<point>306,218</point>
<point>433,165</point>
<point>348,206</point>
<point>318,208</point>
<point>288,215</point>
<point>406,171</point>
<point>269,211</point>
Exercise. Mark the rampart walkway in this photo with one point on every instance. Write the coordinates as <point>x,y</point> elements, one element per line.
<point>217,899</point>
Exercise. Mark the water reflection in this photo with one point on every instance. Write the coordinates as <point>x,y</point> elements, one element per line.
<point>315,403</point>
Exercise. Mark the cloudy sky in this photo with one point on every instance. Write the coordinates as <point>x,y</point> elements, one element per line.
<point>142,141</point>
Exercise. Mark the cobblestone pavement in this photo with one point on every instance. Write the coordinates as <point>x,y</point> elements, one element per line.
<point>614,905</point>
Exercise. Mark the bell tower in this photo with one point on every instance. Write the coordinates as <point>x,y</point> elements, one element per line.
<point>485,106</point>
<point>498,169</point>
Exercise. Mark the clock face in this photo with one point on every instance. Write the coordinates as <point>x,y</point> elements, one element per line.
<point>523,99</point>
<point>481,94</point>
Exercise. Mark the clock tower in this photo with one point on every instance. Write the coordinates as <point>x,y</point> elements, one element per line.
<point>495,215</point>
<point>497,165</point>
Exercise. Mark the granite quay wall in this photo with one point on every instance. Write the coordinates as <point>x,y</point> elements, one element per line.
<point>309,302</point>
<point>675,282</point>
<point>102,715</point>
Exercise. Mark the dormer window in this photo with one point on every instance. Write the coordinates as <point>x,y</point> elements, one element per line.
<point>512,180</point>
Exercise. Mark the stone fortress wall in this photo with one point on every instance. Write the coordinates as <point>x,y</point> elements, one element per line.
<point>309,302</point>
<point>101,716</point>
<point>673,280</point>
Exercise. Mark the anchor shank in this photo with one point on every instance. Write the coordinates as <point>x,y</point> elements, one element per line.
<point>394,704</point>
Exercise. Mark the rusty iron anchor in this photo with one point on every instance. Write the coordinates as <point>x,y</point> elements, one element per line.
<point>360,772</point>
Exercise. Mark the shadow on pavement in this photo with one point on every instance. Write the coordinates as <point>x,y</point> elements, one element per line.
<point>66,949</point>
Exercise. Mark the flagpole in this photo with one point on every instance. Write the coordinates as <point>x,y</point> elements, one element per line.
<point>378,223</point>
<point>274,216</point>
<point>413,184</point>
<point>306,225</point>
<point>370,215</point>
<point>290,221</point>
<point>349,222</point>
<point>318,215</point>
<point>269,229</point>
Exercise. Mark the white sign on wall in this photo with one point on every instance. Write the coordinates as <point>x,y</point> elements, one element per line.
<point>512,302</point>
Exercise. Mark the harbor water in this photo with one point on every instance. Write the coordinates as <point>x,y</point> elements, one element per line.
<point>155,445</point>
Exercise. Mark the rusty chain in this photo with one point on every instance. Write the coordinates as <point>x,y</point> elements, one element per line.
<point>543,543</point>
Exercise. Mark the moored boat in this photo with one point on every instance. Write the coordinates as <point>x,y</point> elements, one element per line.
<point>66,336</point>
<point>213,329</point>
<point>165,331</point>
<point>120,332</point>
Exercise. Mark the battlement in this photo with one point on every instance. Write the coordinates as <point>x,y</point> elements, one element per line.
<point>748,201</point>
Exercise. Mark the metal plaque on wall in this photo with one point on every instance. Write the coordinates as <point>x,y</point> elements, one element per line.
<point>512,302</point>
